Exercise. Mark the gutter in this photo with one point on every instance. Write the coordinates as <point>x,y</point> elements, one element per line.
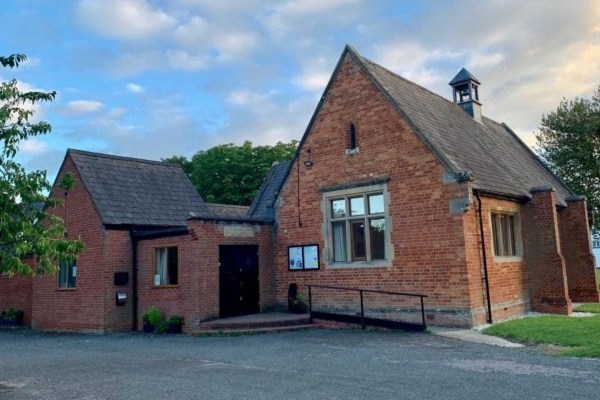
<point>485,267</point>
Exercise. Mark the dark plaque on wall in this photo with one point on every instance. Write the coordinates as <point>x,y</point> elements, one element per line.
<point>121,278</point>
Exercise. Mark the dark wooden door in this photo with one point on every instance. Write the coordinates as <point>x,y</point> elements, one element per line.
<point>238,277</point>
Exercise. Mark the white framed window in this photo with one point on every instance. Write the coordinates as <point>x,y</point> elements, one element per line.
<point>166,266</point>
<point>506,234</point>
<point>67,275</point>
<point>356,226</point>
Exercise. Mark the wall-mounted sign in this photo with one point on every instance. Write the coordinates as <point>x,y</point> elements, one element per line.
<point>303,257</point>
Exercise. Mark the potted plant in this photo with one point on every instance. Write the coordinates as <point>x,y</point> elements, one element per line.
<point>11,317</point>
<point>298,304</point>
<point>174,323</point>
<point>152,320</point>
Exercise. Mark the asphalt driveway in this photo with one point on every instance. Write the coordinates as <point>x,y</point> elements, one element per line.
<point>320,364</point>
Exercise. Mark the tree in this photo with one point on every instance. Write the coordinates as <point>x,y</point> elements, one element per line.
<point>185,164</point>
<point>569,141</point>
<point>26,228</point>
<point>230,174</point>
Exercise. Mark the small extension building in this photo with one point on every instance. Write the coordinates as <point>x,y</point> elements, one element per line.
<point>392,188</point>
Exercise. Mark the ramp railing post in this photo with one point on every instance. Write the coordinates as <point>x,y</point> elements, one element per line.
<point>362,310</point>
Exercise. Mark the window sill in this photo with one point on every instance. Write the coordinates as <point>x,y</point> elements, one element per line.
<point>360,264</point>
<point>66,289</point>
<point>351,152</point>
<point>508,259</point>
<point>164,286</point>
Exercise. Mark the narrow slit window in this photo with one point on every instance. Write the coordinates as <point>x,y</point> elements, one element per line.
<point>353,143</point>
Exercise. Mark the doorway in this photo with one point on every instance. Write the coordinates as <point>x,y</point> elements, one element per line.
<point>238,280</point>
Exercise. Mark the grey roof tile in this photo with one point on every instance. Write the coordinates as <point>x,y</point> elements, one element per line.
<point>130,191</point>
<point>499,161</point>
<point>262,206</point>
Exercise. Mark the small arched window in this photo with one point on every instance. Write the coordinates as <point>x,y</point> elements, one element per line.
<point>353,139</point>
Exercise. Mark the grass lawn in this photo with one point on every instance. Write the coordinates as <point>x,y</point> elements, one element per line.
<point>580,335</point>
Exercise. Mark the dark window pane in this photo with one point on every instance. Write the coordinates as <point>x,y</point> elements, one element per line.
<point>358,240</point>
<point>339,241</point>
<point>357,206</point>
<point>495,234</point>
<point>352,136</point>
<point>72,276</point>
<point>62,274</point>
<point>172,262</point>
<point>377,232</point>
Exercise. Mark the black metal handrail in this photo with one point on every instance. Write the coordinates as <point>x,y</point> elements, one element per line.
<point>367,320</point>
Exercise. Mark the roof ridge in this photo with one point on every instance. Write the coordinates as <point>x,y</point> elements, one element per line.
<point>409,81</point>
<point>121,158</point>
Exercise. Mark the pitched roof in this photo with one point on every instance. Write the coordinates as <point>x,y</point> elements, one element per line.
<point>262,205</point>
<point>498,160</point>
<point>130,191</point>
<point>463,76</point>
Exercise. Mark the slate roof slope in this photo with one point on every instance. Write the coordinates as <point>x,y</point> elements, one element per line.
<point>262,205</point>
<point>499,161</point>
<point>130,191</point>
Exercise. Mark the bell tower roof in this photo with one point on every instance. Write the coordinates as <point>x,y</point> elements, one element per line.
<point>463,76</point>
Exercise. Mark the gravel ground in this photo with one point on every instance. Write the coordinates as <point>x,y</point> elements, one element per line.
<point>320,364</point>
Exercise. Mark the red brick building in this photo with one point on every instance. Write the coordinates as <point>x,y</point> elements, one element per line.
<point>392,188</point>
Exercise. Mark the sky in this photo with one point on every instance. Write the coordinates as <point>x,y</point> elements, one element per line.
<point>156,78</point>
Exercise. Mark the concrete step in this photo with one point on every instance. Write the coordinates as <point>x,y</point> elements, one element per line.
<point>257,321</point>
<point>255,330</point>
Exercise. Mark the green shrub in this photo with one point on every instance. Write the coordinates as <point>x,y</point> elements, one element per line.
<point>152,317</point>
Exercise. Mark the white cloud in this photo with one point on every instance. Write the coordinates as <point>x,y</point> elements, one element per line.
<point>124,19</point>
<point>33,146</point>
<point>191,35</point>
<point>315,74</point>
<point>134,88</point>
<point>79,107</point>
<point>117,112</point>
<point>481,61</point>
<point>182,60</point>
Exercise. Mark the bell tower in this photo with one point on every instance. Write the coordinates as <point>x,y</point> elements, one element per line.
<point>466,93</point>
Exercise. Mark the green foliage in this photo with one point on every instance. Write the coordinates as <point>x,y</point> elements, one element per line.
<point>152,317</point>
<point>589,308</point>
<point>230,174</point>
<point>26,229</point>
<point>10,313</point>
<point>175,320</point>
<point>579,334</point>
<point>569,141</point>
<point>186,164</point>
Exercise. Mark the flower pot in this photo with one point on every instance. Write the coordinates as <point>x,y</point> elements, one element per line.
<point>174,329</point>
<point>299,308</point>
<point>148,328</point>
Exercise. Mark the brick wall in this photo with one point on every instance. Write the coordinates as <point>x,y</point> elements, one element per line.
<point>577,250</point>
<point>117,257</point>
<point>547,270</point>
<point>428,254</point>
<point>196,297</point>
<point>16,292</point>
<point>507,276</point>
<point>81,308</point>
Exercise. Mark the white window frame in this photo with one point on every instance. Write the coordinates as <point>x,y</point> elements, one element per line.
<point>329,220</point>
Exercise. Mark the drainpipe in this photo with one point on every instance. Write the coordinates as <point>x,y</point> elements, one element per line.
<point>134,279</point>
<point>485,268</point>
